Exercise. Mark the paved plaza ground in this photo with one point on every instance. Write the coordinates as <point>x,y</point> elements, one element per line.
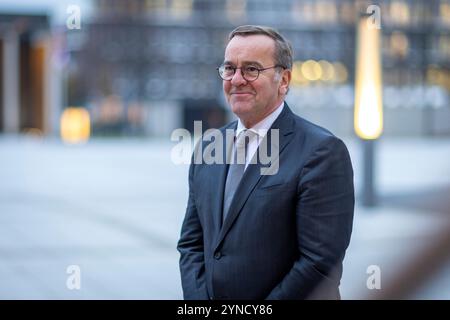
<point>114,208</point>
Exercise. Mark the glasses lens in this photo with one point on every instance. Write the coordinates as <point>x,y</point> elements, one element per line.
<point>226,72</point>
<point>250,73</point>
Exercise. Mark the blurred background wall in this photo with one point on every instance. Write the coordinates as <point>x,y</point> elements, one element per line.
<point>123,74</point>
<point>146,67</point>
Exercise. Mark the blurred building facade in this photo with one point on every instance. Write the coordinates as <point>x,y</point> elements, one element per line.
<point>25,85</point>
<point>149,66</point>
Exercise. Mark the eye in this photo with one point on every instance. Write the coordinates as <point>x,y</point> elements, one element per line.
<point>251,69</point>
<point>228,68</point>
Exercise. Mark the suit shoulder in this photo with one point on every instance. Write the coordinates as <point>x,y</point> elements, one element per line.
<point>311,130</point>
<point>312,137</point>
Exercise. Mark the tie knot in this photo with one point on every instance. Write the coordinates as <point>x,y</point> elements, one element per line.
<point>244,138</point>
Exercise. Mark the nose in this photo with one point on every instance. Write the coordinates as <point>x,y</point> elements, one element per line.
<point>238,79</point>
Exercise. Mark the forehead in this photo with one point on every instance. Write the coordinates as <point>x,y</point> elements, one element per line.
<point>258,48</point>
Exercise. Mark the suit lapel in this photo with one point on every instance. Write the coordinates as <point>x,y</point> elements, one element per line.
<point>284,123</point>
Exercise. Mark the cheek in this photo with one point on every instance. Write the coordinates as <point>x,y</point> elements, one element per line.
<point>226,87</point>
<point>259,90</point>
<point>266,90</point>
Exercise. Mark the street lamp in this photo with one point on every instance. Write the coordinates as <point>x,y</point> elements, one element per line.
<point>368,115</point>
<point>75,125</point>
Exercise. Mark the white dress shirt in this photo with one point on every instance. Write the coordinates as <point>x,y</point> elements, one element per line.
<point>261,129</point>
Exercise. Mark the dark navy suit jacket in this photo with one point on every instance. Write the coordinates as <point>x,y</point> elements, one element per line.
<point>285,235</point>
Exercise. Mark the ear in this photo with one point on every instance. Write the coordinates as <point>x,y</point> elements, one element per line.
<point>284,82</point>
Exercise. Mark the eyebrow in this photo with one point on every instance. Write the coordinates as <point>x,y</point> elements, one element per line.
<point>245,63</point>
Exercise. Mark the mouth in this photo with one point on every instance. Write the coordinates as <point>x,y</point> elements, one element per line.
<point>241,93</point>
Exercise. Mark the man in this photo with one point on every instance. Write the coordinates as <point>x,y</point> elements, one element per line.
<point>274,236</point>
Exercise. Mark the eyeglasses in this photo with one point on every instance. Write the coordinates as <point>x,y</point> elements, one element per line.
<point>249,73</point>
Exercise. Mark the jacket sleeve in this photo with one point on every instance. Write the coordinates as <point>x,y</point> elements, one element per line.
<point>190,246</point>
<point>324,218</point>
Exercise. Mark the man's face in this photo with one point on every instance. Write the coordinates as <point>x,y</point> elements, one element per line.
<point>252,101</point>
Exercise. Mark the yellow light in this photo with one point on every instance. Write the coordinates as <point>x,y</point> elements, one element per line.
<point>433,74</point>
<point>399,12</point>
<point>445,12</point>
<point>311,70</point>
<point>399,44</point>
<point>340,72</point>
<point>297,77</point>
<point>181,9</point>
<point>368,117</point>
<point>75,125</point>
<point>327,70</point>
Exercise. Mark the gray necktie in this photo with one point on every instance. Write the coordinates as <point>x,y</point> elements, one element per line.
<point>236,170</point>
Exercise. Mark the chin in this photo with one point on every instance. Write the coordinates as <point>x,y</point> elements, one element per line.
<point>241,109</point>
<point>238,105</point>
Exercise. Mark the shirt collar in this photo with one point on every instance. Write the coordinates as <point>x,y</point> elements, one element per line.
<point>264,125</point>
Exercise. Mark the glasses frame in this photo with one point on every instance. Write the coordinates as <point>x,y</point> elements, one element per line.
<point>242,73</point>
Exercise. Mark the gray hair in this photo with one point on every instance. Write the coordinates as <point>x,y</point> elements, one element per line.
<point>283,49</point>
